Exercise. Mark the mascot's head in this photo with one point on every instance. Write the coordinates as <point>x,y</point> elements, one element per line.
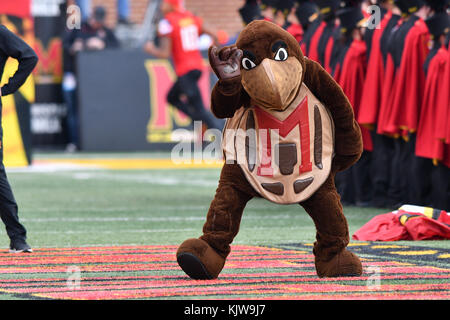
<point>272,64</point>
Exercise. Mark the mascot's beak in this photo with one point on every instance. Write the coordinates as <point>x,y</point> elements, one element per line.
<point>273,84</point>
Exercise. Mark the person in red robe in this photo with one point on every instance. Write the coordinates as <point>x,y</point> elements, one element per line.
<point>408,90</point>
<point>268,10</point>
<point>321,44</point>
<point>402,93</point>
<point>446,129</point>
<point>375,67</point>
<point>445,120</point>
<point>354,184</point>
<point>291,24</point>
<point>250,11</point>
<point>307,13</point>
<point>371,100</point>
<point>432,183</point>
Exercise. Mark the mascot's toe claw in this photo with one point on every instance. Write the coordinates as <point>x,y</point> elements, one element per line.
<point>198,260</point>
<point>344,264</point>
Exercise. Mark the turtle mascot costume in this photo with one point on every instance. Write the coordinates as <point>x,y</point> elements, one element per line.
<point>289,129</point>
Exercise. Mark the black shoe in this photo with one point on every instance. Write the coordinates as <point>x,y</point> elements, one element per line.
<point>19,246</point>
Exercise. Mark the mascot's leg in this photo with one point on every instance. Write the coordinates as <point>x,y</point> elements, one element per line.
<point>332,259</point>
<point>204,258</point>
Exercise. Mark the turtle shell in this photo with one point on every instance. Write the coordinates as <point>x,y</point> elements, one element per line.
<point>285,155</point>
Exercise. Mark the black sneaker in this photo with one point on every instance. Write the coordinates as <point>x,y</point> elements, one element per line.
<point>19,246</point>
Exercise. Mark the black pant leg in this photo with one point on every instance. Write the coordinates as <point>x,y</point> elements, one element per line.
<point>362,181</point>
<point>9,209</point>
<point>174,98</point>
<point>397,188</point>
<point>421,181</point>
<point>409,171</point>
<point>70,98</point>
<point>382,154</point>
<point>8,205</point>
<point>187,85</point>
<point>345,187</point>
<point>440,187</point>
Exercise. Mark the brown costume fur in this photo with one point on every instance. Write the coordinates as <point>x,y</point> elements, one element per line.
<point>205,257</point>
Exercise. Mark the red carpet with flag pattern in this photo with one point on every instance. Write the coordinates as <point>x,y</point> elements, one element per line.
<point>252,272</point>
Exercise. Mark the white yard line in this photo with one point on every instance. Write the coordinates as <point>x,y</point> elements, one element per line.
<point>154,230</point>
<point>166,218</point>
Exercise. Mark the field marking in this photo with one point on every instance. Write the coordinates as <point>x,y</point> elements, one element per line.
<point>155,230</point>
<point>115,231</point>
<point>152,179</point>
<point>155,219</point>
<point>414,253</point>
<point>176,244</point>
<point>136,163</point>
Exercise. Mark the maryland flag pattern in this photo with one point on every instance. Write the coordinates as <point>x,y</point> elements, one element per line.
<point>286,271</point>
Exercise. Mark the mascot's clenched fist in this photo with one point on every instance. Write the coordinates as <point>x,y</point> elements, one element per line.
<point>290,128</point>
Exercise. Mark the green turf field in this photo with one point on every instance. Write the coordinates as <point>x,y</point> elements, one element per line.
<point>86,207</point>
<point>79,207</point>
<point>119,207</point>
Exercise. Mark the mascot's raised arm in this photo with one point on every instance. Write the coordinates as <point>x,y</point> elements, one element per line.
<point>290,128</point>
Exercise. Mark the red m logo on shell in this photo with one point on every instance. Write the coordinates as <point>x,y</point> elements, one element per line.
<point>268,122</point>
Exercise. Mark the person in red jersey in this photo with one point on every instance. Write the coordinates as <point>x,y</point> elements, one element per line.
<point>432,181</point>
<point>179,39</point>
<point>354,184</point>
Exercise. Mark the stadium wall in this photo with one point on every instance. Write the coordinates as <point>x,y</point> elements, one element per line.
<point>123,106</point>
<point>218,14</point>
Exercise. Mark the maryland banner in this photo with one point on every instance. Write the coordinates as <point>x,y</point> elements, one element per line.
<point>48,112</point>
<point>15,15</point>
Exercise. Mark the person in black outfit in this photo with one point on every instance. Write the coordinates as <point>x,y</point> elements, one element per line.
<point>93,35</point>
<point>13,46</point>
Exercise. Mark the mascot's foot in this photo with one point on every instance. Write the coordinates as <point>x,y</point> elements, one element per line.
<point>343,264</point>
<point>199,260</point>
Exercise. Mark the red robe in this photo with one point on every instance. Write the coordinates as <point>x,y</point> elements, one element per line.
<point>296,31</point>
<point>371,96</point>
<point>428,144</point>
<point>313,52</point>
<point>321,46</point>
<point>328,53</point>
<point>409,81</point>
<point>443,125</point>
<point>386,94</point>
<point>351,79</point>
<point>308,35</point>
<point>443,121</point>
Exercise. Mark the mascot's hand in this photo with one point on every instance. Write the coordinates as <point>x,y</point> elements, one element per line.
<point>226,62</point>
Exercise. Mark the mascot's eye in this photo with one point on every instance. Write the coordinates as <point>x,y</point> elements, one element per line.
<point>281,54</point>
<point>248,64</point>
